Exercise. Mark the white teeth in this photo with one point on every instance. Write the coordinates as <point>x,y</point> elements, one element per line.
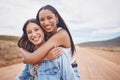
<point>36,39</point>
<point>48,27</point>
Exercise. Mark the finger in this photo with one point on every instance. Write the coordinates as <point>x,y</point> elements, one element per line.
<point>57,51</point>
<point>58,48</point>
<point>53,50</point>
<point>55,46</point>
<point>57,55</point>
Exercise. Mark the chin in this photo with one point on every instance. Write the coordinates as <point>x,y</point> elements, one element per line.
<point>36,43</point>
<point>49,31</point>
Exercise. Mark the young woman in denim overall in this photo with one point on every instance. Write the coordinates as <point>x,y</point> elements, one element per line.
<point>48,70</point>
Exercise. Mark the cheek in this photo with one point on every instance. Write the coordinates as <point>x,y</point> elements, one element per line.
<point>44,29</point>
<point>29,37</point>
<point>41,23</point>
<point>42,34</point>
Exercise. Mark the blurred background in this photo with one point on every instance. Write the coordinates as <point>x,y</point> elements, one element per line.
<point>94,24</point>
<point>87,20</point>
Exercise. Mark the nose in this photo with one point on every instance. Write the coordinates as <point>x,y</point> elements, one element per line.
<point>46,22</point>
<point>33,34</point>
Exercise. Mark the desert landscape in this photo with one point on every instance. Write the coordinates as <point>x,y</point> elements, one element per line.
<point>9,51</point>
<point>95,63</point>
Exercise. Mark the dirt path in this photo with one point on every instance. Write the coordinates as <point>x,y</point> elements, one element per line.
<point>91,66</point>
<point>94,67</point>
<point>10,72</point>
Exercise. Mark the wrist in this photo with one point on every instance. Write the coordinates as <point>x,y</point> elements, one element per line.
<point>44,59</point>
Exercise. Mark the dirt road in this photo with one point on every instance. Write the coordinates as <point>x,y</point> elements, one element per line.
<point>91,66</point>
<point>94,67</point>
<point>10,72</point>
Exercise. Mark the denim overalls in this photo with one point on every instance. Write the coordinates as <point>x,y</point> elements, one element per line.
<point>57,69</point>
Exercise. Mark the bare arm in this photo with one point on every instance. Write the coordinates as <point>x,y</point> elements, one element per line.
<point>53,54</point>
<point>61,38</point>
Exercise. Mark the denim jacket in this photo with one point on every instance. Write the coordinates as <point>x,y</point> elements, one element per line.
<point>57,69</point>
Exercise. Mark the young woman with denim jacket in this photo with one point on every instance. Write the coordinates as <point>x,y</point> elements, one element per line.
<point>57,69</point>
<point>50,20</point>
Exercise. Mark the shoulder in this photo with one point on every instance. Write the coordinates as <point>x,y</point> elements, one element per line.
<point>64,38</point>
<point>62,31</point>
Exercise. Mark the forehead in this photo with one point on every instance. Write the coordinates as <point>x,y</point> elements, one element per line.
<point>45,12</point>
<point>32,25</point>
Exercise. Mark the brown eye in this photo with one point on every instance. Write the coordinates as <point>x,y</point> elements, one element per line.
<point>36,29</point>
<point>29,32</point>
<point>49,17</point>
<point>41,19</point>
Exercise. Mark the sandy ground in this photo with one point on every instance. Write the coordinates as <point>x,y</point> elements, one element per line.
<point>95,67</point>
<point>91,66</point>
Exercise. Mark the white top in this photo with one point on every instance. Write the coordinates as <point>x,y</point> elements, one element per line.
<point>68,52</point>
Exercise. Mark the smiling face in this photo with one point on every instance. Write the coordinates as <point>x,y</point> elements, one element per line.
<point>48,21</point>
<point>35,34</point>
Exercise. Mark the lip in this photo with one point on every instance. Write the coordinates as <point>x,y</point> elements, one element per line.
<point>47,27</point>
<point>36,39</point>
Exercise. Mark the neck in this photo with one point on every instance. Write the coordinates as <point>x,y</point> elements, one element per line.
<point>37,46</point>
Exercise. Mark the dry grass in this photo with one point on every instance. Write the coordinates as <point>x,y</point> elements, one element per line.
<point>9,38</point>
<point>9,53</point>
<point>111,49</point>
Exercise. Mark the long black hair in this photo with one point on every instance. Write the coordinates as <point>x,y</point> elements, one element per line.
<point>23,41</point>
<point>60,24</point>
